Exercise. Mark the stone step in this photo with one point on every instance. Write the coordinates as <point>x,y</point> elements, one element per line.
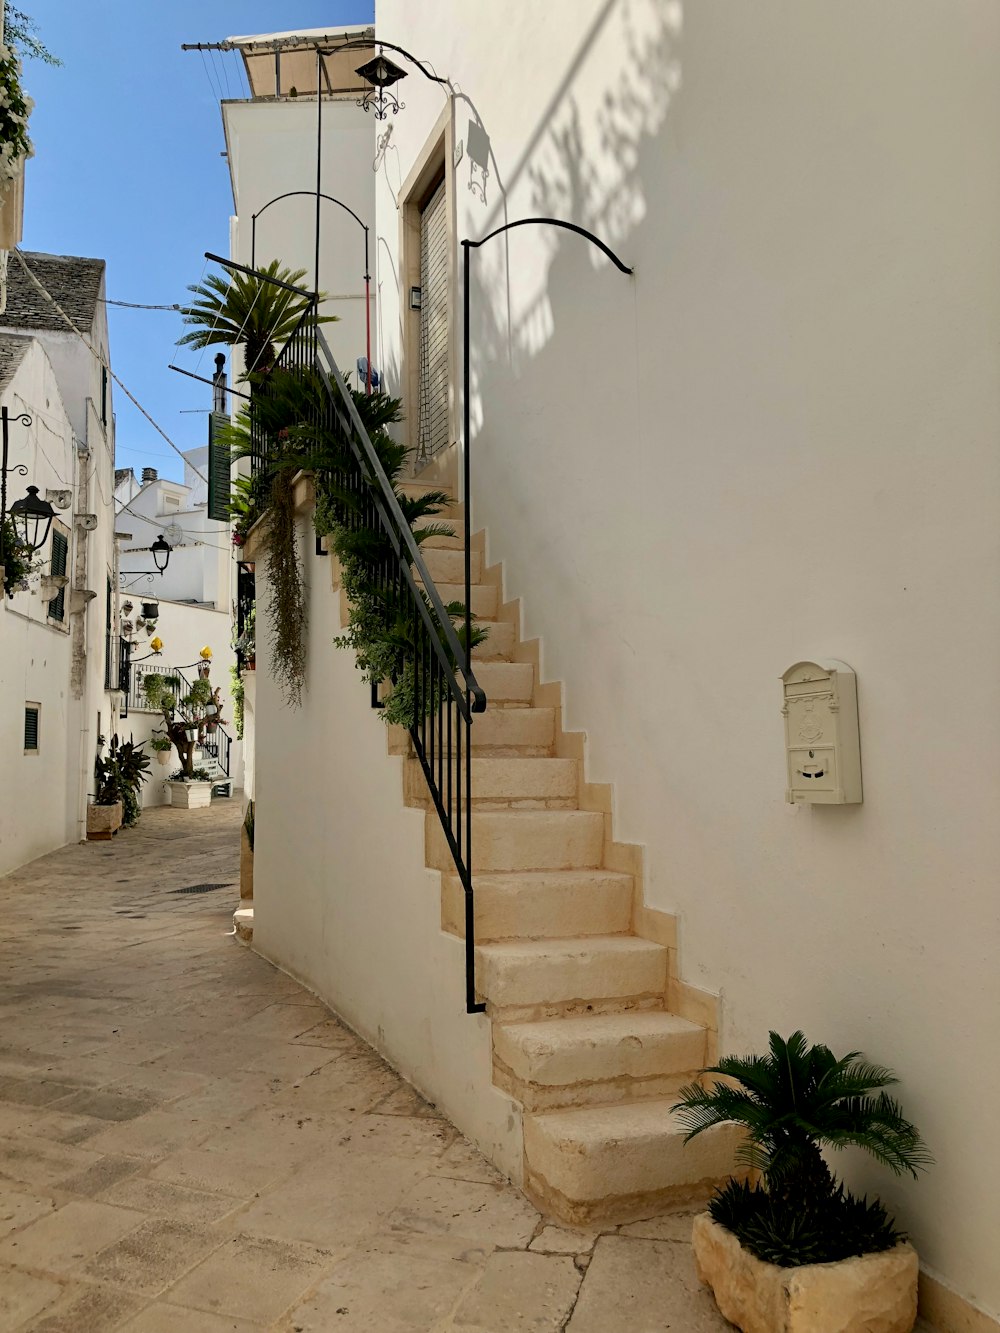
<point>484,597</point>
<point>499,642</point>
<point>456,541</point>
<point>448,566</point>
<point>511,729</point>
<point>533,979</point>
<point>417,488</point>
<point>243,922</point>
<point>507,682</point>
<point>537,904</point>
<point>506,780</point>
<point>605,1059</point>
<point>523,840</point>
<point>617,1163</point>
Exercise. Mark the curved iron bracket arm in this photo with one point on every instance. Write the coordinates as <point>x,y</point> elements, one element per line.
<point>565,226</point>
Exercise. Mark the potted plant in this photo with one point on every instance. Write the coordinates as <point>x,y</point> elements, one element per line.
<point>162,747</point>
<point>795,1252</point>
<point>118,777</point>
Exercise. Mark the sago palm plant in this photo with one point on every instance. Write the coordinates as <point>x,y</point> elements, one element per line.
<point>245,309</point>
<point>793,1102</point>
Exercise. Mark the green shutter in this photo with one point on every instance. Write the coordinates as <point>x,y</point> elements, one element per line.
<point>218,469</point>
<point>60,559</point>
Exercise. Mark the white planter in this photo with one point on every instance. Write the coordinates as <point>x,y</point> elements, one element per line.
<point>164,757</point>
<point>190,795</point>
<point>875,1293</point>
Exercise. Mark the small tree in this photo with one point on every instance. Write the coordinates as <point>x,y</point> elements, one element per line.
<point>183,715</point>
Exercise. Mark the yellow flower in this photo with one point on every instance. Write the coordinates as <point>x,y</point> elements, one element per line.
<point>206,653</point>
<point>156,644</point>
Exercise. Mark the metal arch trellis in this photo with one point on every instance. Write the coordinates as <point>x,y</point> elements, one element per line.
<point>314,194</point>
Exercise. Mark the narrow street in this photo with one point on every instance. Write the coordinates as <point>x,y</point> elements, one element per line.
<point>192,1143</point>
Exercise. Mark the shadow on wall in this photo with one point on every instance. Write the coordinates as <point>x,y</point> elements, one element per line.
<point>553,325</point>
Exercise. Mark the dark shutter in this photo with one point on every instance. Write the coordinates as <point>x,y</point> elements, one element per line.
<point>31,728</point>
<point>107,641</point>
<point>218,469</point>
<point>60,560</point>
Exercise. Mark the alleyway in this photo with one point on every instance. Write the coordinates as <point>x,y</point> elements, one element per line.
<point>191,1143</point>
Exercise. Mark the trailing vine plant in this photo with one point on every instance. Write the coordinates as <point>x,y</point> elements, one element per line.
<point>15,108</point>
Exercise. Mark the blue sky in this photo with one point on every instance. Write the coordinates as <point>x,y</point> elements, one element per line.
<point>127,138</point>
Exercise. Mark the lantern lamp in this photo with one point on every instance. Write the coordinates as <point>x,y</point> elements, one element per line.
<point>160,552</point>
<point>32,518</point>
<point>381,73</point>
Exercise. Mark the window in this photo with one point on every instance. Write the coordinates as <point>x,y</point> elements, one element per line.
<point>31,712</point>
<point>60,560</point>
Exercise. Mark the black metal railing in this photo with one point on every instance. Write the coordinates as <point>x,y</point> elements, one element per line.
<point>436,663</point>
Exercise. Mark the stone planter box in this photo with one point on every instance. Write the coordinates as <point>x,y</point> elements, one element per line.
<point>190,795</point>
<point>875,1293</point>
<point>103,821</point>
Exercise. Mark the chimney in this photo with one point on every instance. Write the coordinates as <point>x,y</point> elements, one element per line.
<point>148,475</point>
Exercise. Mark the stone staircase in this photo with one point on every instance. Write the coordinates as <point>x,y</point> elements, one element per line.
<point>593,1032</point>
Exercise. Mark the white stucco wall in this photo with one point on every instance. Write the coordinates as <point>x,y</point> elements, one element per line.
<point>778,441</point>
<point>272,150</point>
<point>184,631</point>
<point>342,898</point>
<point>57,665</point>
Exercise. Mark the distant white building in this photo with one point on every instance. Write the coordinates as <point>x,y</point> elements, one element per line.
<point>192,596</point>
<point>58,644</point>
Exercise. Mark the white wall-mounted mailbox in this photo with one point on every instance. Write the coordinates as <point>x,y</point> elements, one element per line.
<point>822,741</point>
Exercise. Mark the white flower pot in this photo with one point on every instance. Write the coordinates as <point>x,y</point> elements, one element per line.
<point>190,795</point>
<point>163,757</point>
<point>873,1293</point>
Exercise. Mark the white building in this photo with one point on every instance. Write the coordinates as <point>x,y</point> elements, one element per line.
<point>773,442</point>
<point>58,651</point>
<point>192,596</point>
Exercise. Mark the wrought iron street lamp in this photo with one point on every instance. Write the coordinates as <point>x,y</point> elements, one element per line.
<point>31,516</point>
<point>160,551</point>
<point>381,73</point>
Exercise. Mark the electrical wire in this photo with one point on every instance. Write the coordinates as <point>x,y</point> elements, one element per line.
<point>97,356</point>
<point>136,305</point>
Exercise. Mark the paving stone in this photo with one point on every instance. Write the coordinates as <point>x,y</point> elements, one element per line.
<point>88,1310</point>
<point>489,1214</point>
<point>162,1318</point>
<point>407,1101</point>
<point>152,1256</point>
<point>563,1240</point>
<point>169,1200</point>
<point>102,1175</point>
<point>384,1293</point>
<point>530,1293</point>
<point>66,1238</point>
<point>18,1209</point>
<point>153,1136</point>
<point>639,1285</point>
<point>23,1295</point>
<point>39,1163</point>
<point>671,1226</point>
<point>253,1278</point>
<point>29,1091</point>
<point>107,1104</point>
<point>337,1201</point>
<point>464,1162</point>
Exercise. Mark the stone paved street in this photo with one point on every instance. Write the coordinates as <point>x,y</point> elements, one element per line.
<point>192,1143</point>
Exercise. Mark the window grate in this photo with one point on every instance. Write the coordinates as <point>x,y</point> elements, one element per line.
<point>201,888</point>
<point>31,728</point>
